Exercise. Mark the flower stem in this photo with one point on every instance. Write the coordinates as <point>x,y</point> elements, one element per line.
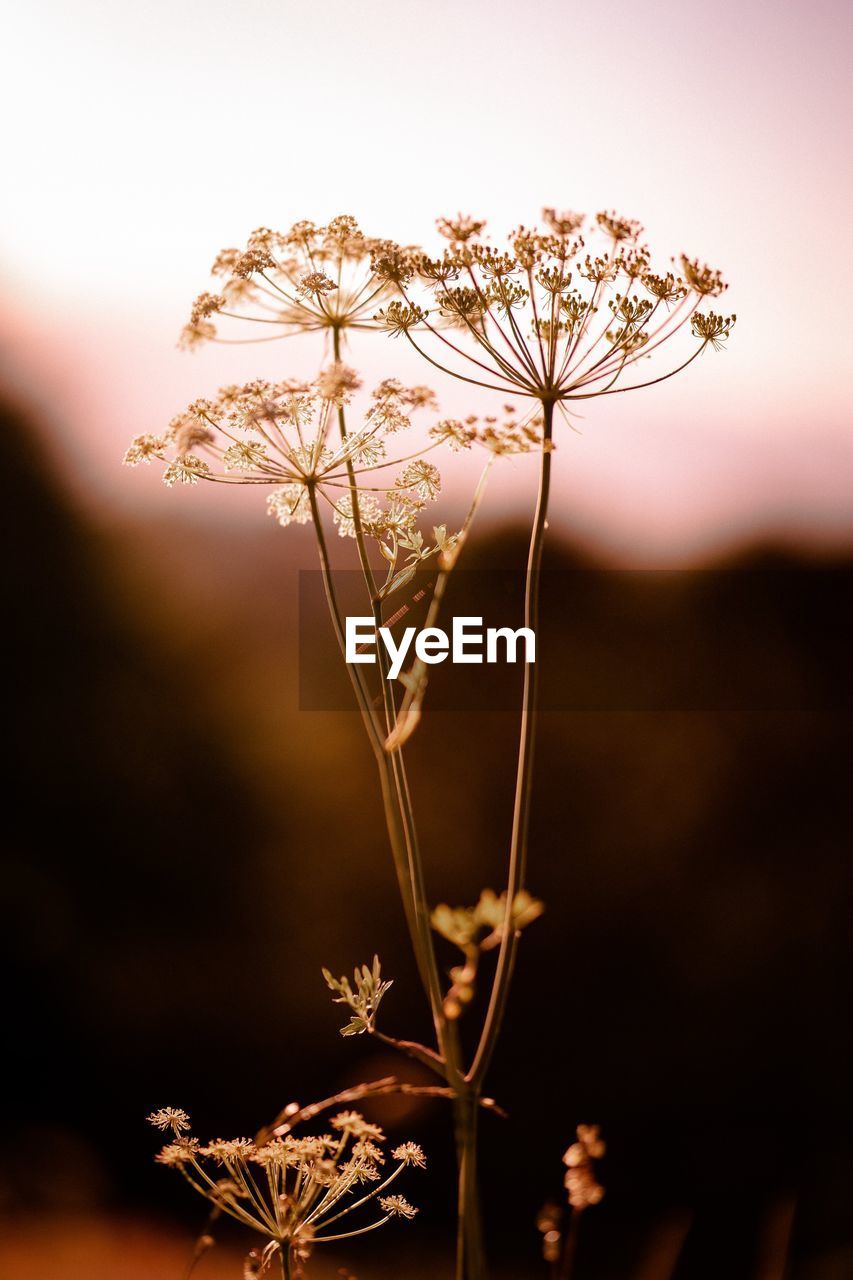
<point>405,848</point>
<point>524,776</point>
<point>470,1258</point>
<point>396,774</point>
<point>394,762</point>
<point>393,772</point>
<point>376,741</point>
<point>400,822</point>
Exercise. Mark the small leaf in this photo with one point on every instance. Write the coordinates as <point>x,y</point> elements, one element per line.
<point>399,580</point>
<point>412,541</point>
<point>364,1000</point>
<point>356,1027</point>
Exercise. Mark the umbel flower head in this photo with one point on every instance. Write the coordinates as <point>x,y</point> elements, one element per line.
<point>552,314</point>
<point>292,1190</point>
<point>283,435</point>
<point>307,279</point>
<point>287,436</point>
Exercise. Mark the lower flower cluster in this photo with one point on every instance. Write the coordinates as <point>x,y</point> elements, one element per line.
<point>292,1190</point>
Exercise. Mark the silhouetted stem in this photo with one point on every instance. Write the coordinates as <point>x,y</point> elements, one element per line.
<point>524,776</point>
<point>394,828</point>
<point>470,1259</point>
<point>394,771</point>
<point>402,832</point>
<point>400,823</point>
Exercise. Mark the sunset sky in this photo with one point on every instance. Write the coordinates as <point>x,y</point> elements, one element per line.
<point>141,139</point>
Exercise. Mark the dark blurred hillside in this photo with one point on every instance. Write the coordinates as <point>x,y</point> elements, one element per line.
<point>185,849</point>
<point>128,836</point>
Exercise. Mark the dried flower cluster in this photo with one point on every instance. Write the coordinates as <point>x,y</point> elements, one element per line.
<point>283,435</point>
<point>551,314</point>
<point>307,279</point>
<point>292,1190</point>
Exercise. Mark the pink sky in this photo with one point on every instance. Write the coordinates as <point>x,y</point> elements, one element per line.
<point>144,139</point>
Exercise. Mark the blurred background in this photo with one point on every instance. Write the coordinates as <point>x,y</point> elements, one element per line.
<point>185,847</point>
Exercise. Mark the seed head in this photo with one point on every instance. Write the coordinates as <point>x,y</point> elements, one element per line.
<point>714,330</point>
<point>397,1207</point>
<point>410,1153</point>
<point>702,279</point>
<point>314,284</point>
<point>170,1118</point>
<point>564,223</point>
<point>337,382</point>
<point>618,228</point>
<point>461,228</point>
<point>398,317</point>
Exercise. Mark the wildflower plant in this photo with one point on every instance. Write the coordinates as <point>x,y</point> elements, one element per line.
<point>557,315</point>
<point>552,316</point>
